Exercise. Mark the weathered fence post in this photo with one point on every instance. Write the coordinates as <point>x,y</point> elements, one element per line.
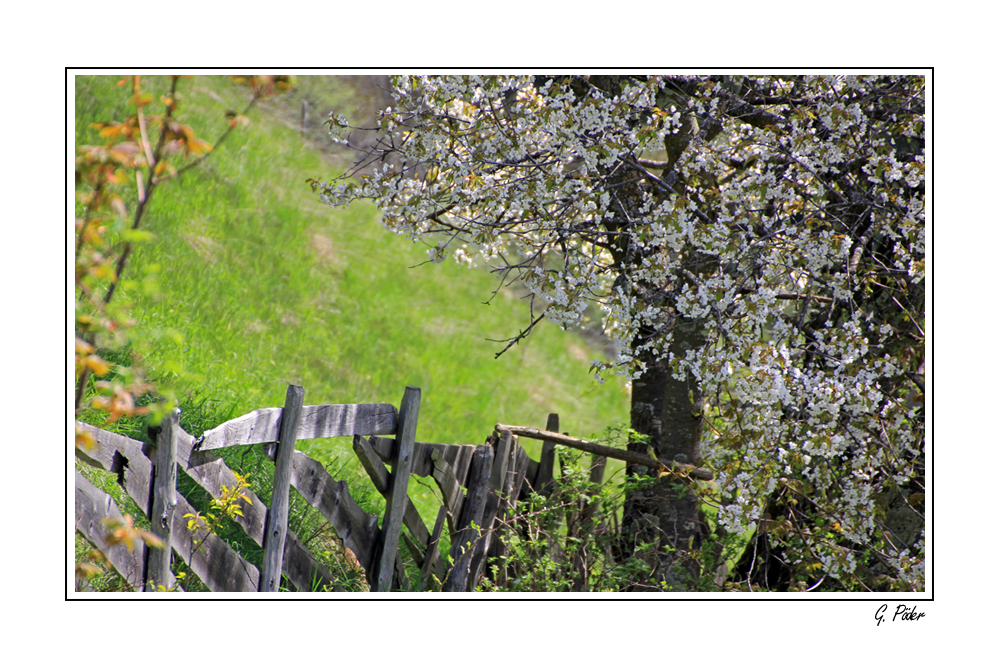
<point>547,463</point>
<point>462,546</point>
<point>498,478</point>
<point>164,502</point>
<point>395,501</point>
<point>516,471</point>
<point>277,513</point>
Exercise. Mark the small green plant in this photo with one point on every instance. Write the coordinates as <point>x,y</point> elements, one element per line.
<point>226,505</point>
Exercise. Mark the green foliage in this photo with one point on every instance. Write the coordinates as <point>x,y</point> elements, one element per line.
<point>555,545</point>
<point>238,284</point>
<point>263,290</point>
<point>225,506</point>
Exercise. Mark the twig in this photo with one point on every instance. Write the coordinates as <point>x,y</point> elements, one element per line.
<point>518,337</point>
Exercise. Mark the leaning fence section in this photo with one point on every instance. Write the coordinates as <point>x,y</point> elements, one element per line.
<point>148,474</point>
<point>480,486</point>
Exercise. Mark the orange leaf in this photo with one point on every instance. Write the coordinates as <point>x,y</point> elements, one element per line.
<point>82,346</point>
<point>198,146</point>
<point>86,570</point>
<point>85,440</point>
<point>98,365</point>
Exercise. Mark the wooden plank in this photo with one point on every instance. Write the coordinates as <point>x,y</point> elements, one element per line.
<point>521,468</point>
<point>306,574</point>
<point>130,460</point>
<point>356,528</point>
<point>546,464</point>
<point>318,421</point>
<point>681,469</point>
<point>431,555</point>
<point>395,501</point>
<point>277,514</point>
<point>210,472</point>
<point>454,498</point>
<point>498,480</point>
<point>458,456</point>
<point>399,580</point>
<point>515,479</point>
<point>92,507</point>
<point>530,472</point>
<point>381,478</point>
<point>164,501</point>
<point>127,458</point>
<point>383,447</point>
<point>463,544</point>
<point>216,563</point>
<point>124,456</point>
<point>377,472</point>
<point>422,463</point>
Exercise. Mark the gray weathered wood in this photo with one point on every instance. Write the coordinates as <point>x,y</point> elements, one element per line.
<point>431,555</point>
<point>216,564</point>
<point>377,472</point>
<point>458,456</point>
<point>498,480</point>
<point>318,421</point>
<point>305,572</point>
<point>277,514</point>
<point>515,478</point>
<point>210,472</point>
<point>381,478</point>
<point>129,459</point>
<point>521,464</point>
<point>463,544</point>
<point>546,464</point>
<point>356,528</point>
<point>682,469</point>
<point>164,501</point>
<point>454,497</point>
<point>383,447</point>
<point>92,507</point>
<point>395,501</point>
<point>530,473</point>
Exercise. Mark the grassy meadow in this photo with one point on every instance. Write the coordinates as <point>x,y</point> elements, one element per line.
<point>250,284</point>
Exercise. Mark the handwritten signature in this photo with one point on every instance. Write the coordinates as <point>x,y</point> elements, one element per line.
<point>903,613</point>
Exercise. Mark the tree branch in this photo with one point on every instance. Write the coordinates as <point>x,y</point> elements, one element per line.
<point>682,469</point>
<point>517,338</point>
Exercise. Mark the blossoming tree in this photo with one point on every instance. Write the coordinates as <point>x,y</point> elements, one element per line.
<point>754,244</point>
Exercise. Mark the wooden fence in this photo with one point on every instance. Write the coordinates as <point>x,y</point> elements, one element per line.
<point>479,485</point>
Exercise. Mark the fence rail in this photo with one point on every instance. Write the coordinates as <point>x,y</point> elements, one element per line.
<point>479,484</point>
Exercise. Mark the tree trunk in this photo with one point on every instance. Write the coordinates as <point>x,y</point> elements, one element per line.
<point>663,512</point>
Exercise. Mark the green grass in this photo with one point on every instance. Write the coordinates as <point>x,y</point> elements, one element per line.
<point>251,284</point>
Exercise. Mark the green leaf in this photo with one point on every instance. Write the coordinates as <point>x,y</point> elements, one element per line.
<point>138,236</point>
